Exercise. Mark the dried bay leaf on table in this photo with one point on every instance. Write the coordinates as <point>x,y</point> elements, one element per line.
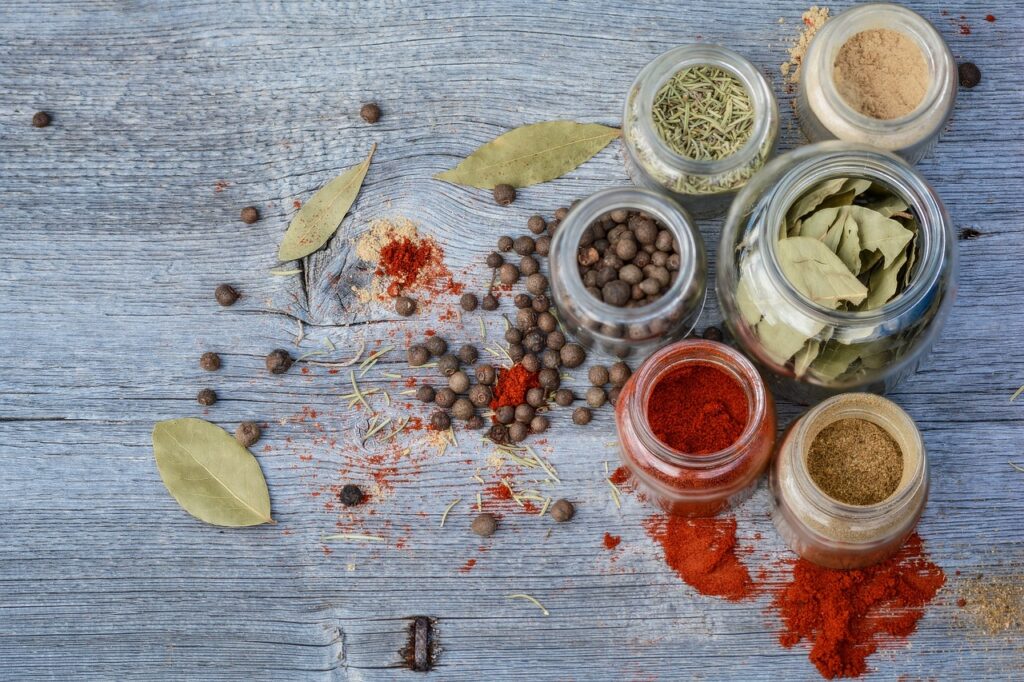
<point>818,273</point>
<point>320,217</point>
<point>878,233</point>
<point>531,154</point>
<point>211,475</point>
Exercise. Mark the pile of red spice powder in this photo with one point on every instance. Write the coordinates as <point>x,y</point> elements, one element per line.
<point>512,385</point>
<point>703,552</point>
<point>698,409</point>
<point>413,264</point>
<point>844,613</point>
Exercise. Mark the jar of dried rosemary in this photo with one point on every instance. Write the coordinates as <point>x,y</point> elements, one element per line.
<point>699,121</point>
<point>849,482</point>
<point>837,270</point>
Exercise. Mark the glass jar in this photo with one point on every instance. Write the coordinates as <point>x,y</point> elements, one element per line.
<point>682,483</point>
<point>766,313</point>
<point>825,115</point>
<point>831,533</point>
<point>619,331</point>
<point>704,187</point>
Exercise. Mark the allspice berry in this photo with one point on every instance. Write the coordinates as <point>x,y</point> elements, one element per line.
<point>536,283</point>
<point>468,353</point>
<point>436,346</point>
<point>463,409</point>
<point>448,364</point>
<point>425,393</point>
<point>970,74</point>
<point>598,375</point>
<point>40,119</point>
<point>445,397</point>
<point>524,245</point>
<point>581,416</point>
<point>405,306</point>
<point>549,378</point>
<point>209,361</point>
<point>458,382</point>
<point>418,355</point>
<point>508,274</point>
<point>206,397</point>
<point>518,431</point>
<point>506,414</point>
<point>486,374</point>
<point>524,413</point>
<point>536,224</point>
<point>370,112</point>
<point>350,495</point>
<point>572,355</point>
<point>279,361</point>
<point>504,194</point>
<point>480,395</point>
<point>564,397</point>
<point>226,294</point>
<point>484,524</point>
<point>539,424</point>
<point>247,433</point>
<point>713,333</point>
<point>596,396</point>
<point>440,420</point>
<point>505,243</point>
<point>562,510</point>
<point>495,260</point>
<point>489,302</point>
<point>619,374</point>
<point>469,302</point>
<point>250,214</point>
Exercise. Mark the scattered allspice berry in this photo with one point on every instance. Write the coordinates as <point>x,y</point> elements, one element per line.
<point>572,355</point>
<point>448,365</point>
<point>504,194</point>
<point>536,224</point>
<point>425,393</point>
<point>484,524</point>
<point>40,119</point>
<point>463,409</point>
<point>437,346</point>
<point>350,495</point>
<point>596,397</point>
<point>209,361</point>
<point>458,382</point>
<point>405,306</point>
<point>370,112</point>
<point>581,416</point>
<point>564,397</point>
<point>445,397</point>
<point>598,375</point>
<point>418,355</point>
<point>505,243</point>
<point>539,424</point>
<point>468,302</point>
<point>279,361</point>
<point>206,397</point>
<point>489,303</point>
<point>247,433</point>
<point>250,214</point>
<point>970,75</point>
<point>468,353</point>
<point>226,294</point>
<point>495,260</point>
<point>562,510</point>
<point>619,374</point>
<point>440,420</point>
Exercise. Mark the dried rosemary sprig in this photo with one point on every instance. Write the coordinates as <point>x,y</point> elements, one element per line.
<point>703,113</point>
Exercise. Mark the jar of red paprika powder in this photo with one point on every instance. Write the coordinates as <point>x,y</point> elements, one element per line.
<point>696,427</point>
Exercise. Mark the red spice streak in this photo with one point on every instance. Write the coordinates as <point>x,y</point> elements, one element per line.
<point>698,409</point>
<point>297,204</point>
<point>965,30</point>
<point>619,476</point>
<point>403,259</point>
<point>499,491</point>
<point>990,18</point>
<point>512,385</point>
<point>410,382</point>
<point>844,613</point>
<point>468,566</point>
<point>703,552</point>
<point>611,541</point>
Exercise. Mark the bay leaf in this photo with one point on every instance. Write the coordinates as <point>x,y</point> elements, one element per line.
<point>531,154</point>
<point>818,223</point>
<point>849,246</point>
<point>780,341</point>
<point>840,199</point>
<point>749,309</point>
<point>856,185</point>
<point>878,233</point>
<point>810,200</point>
<point>834,360</point>
<point>805,357</point>
<point>210,474</point>
<point>818,273</point>
<point>884,284</point>
<point>889,206</point>
<point>320,217</point>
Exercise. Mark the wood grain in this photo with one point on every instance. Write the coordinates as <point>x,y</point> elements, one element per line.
<point>122,217</point>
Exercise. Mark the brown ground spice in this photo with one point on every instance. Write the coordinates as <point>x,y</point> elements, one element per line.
<point>881,73</point>
<point>855,461</point>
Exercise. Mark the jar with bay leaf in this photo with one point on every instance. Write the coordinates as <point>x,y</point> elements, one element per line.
<point>699,121</point>
<point>842,270</point>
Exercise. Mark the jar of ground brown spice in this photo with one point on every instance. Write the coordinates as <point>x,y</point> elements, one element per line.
<point>877,74</point>
<point>696,427</point>
<point>850,481</point>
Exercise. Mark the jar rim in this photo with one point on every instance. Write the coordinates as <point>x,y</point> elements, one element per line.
<point>812,164</point>
<point>762,99</point>
<point>673,216</point>
<point>941,65</point>
<point>848,405</point>
<point>698,351</point>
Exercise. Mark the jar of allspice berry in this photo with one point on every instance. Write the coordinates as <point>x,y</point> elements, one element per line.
<point>696,427</point>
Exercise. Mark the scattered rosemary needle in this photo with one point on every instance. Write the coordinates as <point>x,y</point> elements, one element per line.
<point>359,395</point>
<point>483,329</point>
<point>530,599</point>
<point>411,391</point>
<point>479,502</point>
<point>392,375</point>
<point>310,354</point>
<point>377,428</point>
<point>1016,394</point>
<point>448,509</point>
<point>544,509</point>
<point>301,335</point>
<point>284,273</point>
<point>1016,466</point>
<point>346,363</point>
<point>354,536</point>
<point>616,495</point>
<point>330,344</point>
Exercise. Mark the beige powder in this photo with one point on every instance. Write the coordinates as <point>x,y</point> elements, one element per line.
<point>881,73</point>
<point>813,19</point>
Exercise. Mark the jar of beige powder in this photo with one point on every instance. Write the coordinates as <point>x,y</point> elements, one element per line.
<point>878,74</point>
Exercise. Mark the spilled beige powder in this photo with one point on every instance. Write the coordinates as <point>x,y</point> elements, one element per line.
<point>881,73</point>
<point>813,19</point>
<point>368,246</point>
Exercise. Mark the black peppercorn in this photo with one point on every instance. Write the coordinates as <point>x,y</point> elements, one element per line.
<point>484,524</point>
<point>206,397</point>
<point>562,510</point>
<point>418,355</point>
<point>448,364</point>
<point>209,361</point>
<point>489,303</point>
<point>405,306</point>
<point>468,302</point>
<point>505,244</point>
<point>440,420</point>
<point>970,74</point>
<point>436,345</point>
<point>444,397</point>
<point>425,393</point>
<point>495,260</point>
<point>279,361</point>
<point>581,416</point>
<point>504,194</point>
<point>564,397</point>
<point>40,119</point>
<point>226,294</point>
<point>350,495</point>
<point>250,214</point>
<point>247,433</point>
<point>370,112</point>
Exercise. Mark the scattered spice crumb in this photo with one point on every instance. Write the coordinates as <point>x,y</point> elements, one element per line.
<point>468,566</point>
<point>611,541</point>
<point>813,19</point>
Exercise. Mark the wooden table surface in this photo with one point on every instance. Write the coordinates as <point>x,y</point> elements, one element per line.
<point>122,216</point>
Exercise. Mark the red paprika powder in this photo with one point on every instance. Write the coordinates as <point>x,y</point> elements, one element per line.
<point>845,613</point>
<point>703,553</point>
<point>697,409</point>
<point>512,385</point>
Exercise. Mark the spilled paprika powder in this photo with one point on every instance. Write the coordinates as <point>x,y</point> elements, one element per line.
<point>512,385</point>
<point>703,553</point>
